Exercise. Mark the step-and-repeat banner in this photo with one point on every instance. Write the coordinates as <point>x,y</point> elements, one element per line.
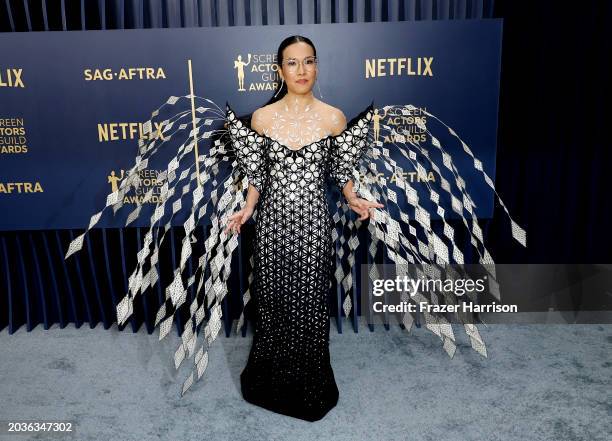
<point>73,104</point>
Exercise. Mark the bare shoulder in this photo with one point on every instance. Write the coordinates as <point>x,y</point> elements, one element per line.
<point>260,118</point>
<point>337,119</point>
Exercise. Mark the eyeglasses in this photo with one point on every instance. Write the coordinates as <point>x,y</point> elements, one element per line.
<point>292,64</point>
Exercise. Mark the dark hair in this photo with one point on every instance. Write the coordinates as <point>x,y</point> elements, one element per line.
<point>279,56</point>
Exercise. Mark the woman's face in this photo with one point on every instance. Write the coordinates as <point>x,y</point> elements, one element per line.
<point>299,70</point>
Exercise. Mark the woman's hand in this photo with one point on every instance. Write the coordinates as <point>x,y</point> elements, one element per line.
<point>362,206</point>
<point>238,218</point>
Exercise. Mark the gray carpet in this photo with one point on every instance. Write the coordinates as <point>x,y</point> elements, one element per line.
<point>540,382</point>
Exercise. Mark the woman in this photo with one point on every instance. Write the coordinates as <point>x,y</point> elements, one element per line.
<point>281,162</point>
<point>288,369</point>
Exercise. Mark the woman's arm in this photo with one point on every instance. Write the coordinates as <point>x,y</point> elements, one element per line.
<point>339,124</point>
<point>360,206</point>
<point>252,197</point>
<point>256,124</point>
<point>236,220</point>
<point>252,193</point>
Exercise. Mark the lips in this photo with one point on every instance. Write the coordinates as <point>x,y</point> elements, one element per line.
<point>301,81</point>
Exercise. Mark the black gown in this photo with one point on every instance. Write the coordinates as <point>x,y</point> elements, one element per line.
<point>288,369</point>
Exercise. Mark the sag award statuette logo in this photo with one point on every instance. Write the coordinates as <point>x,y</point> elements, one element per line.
<point>239,65</point>
<point>407,127</point>
<point>263,72</point>
<point>148,180</point>
<point>376,120</point>
<point>113,180</point>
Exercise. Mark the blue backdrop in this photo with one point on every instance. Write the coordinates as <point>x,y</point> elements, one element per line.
<point>71,95</point>
<point>550,173</point>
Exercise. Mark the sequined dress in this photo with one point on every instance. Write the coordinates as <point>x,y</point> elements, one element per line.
<point>288,369</point>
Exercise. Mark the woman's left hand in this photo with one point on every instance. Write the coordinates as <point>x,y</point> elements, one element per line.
<point>362,206</point>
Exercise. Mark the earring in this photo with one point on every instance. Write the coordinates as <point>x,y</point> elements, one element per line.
<point>281,86</point>
<point>320,94</point>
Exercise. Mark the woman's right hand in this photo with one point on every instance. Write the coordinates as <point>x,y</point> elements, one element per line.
<point>236,220</point>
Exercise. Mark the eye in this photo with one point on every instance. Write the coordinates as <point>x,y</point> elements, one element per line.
<point>291,63</point>
<point>310,61</point>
